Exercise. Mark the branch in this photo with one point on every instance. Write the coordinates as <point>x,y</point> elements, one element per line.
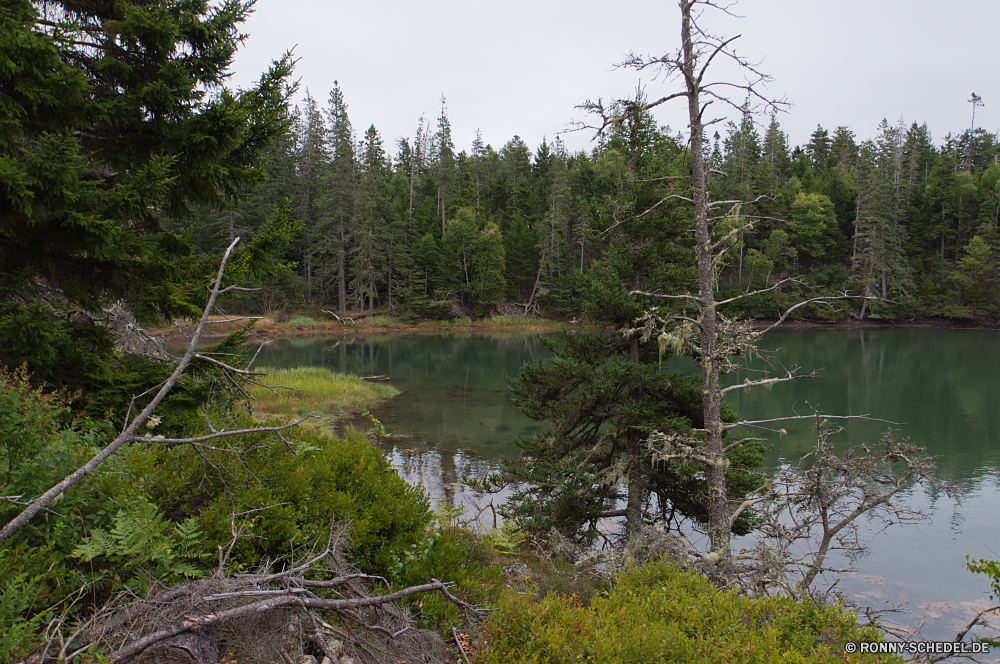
<point>823,300</point>
<point>777,284</point>
<point>666,297</point>
<point>643,214</point>
<point>128,434</point>
<point>195,623</point>
<point>768,381</point>
<point>751,423</point>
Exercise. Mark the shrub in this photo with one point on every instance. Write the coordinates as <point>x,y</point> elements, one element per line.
<point>297,495</point>
<point>453,555</point>
<point>660,613</point>
<point>302,320</point>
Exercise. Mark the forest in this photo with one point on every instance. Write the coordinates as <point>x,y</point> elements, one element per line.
<point>897,215</point>
<point>161,504</point>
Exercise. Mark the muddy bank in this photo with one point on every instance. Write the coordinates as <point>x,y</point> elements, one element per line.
<point>275,330</point>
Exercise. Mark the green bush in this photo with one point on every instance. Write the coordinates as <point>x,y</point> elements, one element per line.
<point>298,494</point>
<point>453,555</point>
<point>660,613</point>
<point>302,320</point>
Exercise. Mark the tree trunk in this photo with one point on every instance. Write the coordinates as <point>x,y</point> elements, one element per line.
<point>633,510</point>
<point>715,475</point>
<point>341,295</point>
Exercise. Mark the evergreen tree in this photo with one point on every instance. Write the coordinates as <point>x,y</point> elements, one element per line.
<point>879,261</point>
<point>312,159</point>
<point>372,230</point>
<point>442,158</point>
<point>604,393</point>
<point>818,148</point>
<point>108,129</point>
<point>339,197</point>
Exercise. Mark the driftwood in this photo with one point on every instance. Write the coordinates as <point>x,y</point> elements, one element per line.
<point>353,320</point>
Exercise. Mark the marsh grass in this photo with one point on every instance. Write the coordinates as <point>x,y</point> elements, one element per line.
<point>329,395</point>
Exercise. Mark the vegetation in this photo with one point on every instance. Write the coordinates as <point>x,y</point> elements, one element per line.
<point>125,161</point>
<point>659,613</point>
<point>316,390</point>
<point>899,215</point>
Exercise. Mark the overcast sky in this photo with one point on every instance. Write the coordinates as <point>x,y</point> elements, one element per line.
<point>521,66</point>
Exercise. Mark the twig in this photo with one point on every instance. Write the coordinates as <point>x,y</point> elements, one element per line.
<point>458,641</point>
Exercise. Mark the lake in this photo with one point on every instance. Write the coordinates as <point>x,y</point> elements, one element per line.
<point>454,418</point>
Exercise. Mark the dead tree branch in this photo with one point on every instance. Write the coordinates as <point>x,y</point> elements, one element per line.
<point>128,434</point>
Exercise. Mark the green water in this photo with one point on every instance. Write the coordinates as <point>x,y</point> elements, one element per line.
<point>454,418</point>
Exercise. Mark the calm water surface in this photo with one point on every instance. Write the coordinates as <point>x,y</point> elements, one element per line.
<point>454,418</point>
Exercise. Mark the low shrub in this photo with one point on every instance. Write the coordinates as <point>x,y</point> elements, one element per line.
<point>453,555</point>
<point>302,320</point>
<point>289,499</point>
<point>660,613</point>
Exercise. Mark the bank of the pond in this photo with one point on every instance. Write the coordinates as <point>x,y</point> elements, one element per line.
<point>303,326</point>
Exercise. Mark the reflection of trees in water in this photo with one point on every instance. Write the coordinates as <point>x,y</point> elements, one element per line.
<point>439,473</point>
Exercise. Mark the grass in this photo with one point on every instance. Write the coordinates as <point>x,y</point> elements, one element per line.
<point>320,391</point>
<point>302,320</point>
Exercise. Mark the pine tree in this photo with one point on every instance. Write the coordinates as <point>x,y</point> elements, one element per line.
<point>312,160</point>
<point>442,158</point>
<point>372,236</point>
<point>879,262</point>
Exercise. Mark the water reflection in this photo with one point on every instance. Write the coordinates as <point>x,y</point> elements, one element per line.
<point>454,418</point>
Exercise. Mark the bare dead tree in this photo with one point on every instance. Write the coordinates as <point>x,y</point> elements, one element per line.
<point>811,510</point>
<point>129,432</point>
<point>694,326</point>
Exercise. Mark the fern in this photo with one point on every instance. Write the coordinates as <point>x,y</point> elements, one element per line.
<point>146,546</point>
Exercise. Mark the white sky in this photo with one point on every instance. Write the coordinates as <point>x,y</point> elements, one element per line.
<point>520,66</point>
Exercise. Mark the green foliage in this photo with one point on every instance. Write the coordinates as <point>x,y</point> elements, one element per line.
<point>659,613</point>
<point>145,547</point>
<point>991,569</point>
<point>811,223</point>
<point>976,274</point>
<point>453,555</point>
<point>301,320</point>
<point>19,623</point>
<point>377,427</point>
<point>297,495</point>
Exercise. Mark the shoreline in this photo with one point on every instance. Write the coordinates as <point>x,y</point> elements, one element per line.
<point>278,330</point>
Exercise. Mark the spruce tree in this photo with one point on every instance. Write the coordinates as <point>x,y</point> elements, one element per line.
<point>115,117</point>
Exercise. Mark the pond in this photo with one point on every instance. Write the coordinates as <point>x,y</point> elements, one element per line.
<point>454,418</point>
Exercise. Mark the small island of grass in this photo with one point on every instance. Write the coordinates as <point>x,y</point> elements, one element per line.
<point>316,390</point>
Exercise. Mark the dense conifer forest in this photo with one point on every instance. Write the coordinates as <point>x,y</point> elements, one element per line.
<point>900,215</point>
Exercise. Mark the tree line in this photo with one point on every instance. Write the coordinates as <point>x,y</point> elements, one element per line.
<point>895,216</point>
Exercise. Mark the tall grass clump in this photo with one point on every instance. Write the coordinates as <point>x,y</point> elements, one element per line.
<point>319,391</point>
<point>302,320</point>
